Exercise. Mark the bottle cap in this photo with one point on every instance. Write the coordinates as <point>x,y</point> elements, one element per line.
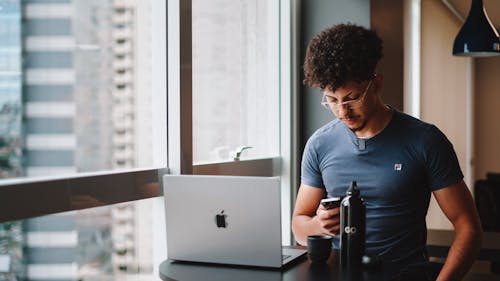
<point>353,190</point>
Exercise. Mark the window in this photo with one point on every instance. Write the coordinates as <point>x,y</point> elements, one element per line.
<point>85,119</point>
<point>116,242</point>
<point>82,124</point>
<point>81,80</point>
<point>229,93</point>
<point>235,79</point>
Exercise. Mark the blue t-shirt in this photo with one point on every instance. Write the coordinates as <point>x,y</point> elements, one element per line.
<point>396,171</point>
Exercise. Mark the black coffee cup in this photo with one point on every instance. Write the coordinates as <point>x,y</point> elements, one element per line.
<point>319,247</point>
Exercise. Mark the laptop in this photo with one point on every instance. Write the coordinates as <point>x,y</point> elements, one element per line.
<point>226,220</point>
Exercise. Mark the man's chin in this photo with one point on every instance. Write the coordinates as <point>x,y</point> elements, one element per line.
<point>355,127</point>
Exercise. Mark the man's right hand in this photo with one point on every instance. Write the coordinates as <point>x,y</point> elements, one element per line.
<point>329,220</point>
<point>310,217</point>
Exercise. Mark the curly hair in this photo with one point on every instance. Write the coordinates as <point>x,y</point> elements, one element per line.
<point>340,54</point>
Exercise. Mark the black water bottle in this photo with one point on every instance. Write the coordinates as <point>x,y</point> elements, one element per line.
<point>352,229</point>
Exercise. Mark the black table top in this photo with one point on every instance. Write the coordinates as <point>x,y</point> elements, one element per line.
<point>301,270</point>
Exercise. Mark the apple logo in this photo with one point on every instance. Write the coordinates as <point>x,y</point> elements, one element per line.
<point>220,220</point>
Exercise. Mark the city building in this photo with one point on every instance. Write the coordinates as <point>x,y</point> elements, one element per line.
<point>82,115</point>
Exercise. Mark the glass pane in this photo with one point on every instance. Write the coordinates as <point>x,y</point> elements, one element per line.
<point>81,86</point>
<point>116,242</point>
<point>235,78</point>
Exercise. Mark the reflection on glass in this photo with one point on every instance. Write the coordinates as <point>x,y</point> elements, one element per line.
<point>10,89</point>
<point>105,243</point>
<point>77,86</point>
<point>235,78</point>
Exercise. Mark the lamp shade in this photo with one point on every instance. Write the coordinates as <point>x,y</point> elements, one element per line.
<point>477,37</point>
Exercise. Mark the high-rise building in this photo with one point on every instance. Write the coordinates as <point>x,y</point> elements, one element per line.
<point>82,114</point>
<point>49,126</point>
<point>131,122</point>
<point>49,99</point>
<point>123,86</point>
<point>80,72</point>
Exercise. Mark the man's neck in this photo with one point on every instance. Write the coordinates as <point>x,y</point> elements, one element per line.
<point>380,118</point>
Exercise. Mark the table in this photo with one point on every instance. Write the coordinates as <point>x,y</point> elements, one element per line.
<point>439,241</point>
<point>299,270</point>
<point>302,270</point>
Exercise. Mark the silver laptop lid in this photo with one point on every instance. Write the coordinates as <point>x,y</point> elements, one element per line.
<point>223,219</point>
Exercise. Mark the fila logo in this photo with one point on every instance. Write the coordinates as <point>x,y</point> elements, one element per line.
<point>398,167</point>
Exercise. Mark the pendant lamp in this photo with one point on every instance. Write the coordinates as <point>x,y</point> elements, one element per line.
<point>477,37</point>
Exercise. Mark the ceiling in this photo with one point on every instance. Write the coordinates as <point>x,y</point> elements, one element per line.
<point>492,8</point>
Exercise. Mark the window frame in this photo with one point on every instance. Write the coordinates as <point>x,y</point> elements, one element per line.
<point>26,198</point>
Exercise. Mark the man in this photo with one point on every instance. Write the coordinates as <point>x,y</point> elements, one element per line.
<point>397,160</point>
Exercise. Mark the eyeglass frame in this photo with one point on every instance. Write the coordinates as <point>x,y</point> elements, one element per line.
<point>337,106</point>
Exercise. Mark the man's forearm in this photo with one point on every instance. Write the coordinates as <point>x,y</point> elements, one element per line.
<point>303,226</point>
<point>462,254</point>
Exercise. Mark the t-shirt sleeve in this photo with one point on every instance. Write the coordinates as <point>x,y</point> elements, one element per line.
<point>310,171</point>
<point>441,160</point>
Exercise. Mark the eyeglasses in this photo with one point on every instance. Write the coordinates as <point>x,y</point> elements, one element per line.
<point>351,104</point>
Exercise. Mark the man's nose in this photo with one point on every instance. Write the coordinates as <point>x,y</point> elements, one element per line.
<point>343,110</point>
